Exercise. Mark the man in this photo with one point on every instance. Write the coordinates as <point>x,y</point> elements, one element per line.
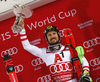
<point>57,57</point>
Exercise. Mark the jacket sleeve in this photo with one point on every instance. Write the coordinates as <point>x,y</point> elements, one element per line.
<point>27,46</point>
<point>85,64</point>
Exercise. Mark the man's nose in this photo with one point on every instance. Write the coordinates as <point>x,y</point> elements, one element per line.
<point>52,36</point>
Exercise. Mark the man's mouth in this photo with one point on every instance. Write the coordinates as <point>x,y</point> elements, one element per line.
<point>53,39</point>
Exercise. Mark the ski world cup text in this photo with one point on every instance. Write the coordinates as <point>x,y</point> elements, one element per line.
<point>61,15</point>
<point>7,35</point>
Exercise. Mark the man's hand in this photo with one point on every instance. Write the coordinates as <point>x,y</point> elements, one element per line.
<point>21,22</point>
<point>85,77</point>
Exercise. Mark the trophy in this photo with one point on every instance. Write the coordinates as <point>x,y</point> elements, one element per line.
<point>21,12</point>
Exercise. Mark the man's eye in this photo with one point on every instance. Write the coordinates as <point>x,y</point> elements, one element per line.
<point>54,33</point>
<point>49,34</point>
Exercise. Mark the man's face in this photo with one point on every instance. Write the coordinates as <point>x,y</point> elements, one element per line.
<point>52,37</point>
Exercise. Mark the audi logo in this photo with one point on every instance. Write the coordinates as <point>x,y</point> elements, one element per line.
<point>62,32</point>
<point>98,80</point>
<point>65,66</point>
<point>45,78</point>
<point>10,51</point>
<point>36,62</point>
<point>95,62</point>
<point>19,68</point>
<point>91,43</point>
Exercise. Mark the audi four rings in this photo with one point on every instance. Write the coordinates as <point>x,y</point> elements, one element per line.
<point>95,62</point>
<point>45,78</point>
<point>91,43</point>
<point>19,68</point>
<point>9,51</point>
<point>65,66</point>
<point>36,62</point>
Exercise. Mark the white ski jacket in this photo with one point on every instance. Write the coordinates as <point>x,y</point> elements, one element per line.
<point>60,65</point>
